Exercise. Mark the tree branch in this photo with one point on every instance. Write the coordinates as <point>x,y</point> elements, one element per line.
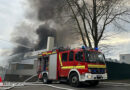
<point>81,33</point>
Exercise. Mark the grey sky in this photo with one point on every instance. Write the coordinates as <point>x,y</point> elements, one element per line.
<point>11,14</point>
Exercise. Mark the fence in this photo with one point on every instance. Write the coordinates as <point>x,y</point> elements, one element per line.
<point>118,70</point>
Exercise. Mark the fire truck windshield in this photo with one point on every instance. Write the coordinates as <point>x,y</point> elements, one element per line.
<point>94,57</point>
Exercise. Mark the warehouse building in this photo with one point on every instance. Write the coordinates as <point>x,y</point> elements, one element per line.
<point>125,58</point>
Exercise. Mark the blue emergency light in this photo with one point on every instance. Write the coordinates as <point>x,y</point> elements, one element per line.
<point>96,49</point>
<point>83,47</point>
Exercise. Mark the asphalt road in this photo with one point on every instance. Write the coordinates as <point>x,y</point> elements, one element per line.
<point>54,86</point>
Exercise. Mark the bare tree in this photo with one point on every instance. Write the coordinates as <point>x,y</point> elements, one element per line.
<point>94,16</point>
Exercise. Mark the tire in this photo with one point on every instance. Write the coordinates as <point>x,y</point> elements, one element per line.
<point>74,80</point>
<point>45,79</point>
<point>93,83</point>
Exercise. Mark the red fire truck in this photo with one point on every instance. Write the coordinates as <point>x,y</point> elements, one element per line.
<point>73,65</point>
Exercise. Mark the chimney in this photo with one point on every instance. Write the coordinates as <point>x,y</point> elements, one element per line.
<point>50,43</point>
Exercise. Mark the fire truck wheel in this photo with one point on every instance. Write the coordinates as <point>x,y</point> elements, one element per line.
<point>74,80</point>
<point>45,79</point>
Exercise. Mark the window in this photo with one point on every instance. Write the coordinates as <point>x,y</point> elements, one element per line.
<point>94,57</point>
<point>123,57</point>
<point>71,56</point>
<point>79,56</point>
<point>64,57</point>
<point>45,63</point>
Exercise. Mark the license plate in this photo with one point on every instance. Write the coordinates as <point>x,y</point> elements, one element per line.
<point>99,75</point>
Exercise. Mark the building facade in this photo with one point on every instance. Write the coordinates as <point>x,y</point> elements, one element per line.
<point>125,58</point>
<point>2,72</point>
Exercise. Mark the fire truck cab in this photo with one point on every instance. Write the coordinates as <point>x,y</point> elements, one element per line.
<point>73,65</point>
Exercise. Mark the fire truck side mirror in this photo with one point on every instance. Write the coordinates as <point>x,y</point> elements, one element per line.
<point>104,57</point>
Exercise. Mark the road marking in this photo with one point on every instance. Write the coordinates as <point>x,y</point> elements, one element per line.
<point>12,85</point>
<point>115,84</point>
<point>60,87</point>
<point>8,86</point>
<point>49,86</point>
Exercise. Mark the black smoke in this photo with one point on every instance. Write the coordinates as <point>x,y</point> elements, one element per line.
<point>22,43</point>
<point>47,9</point>
<point>50,14</point>
<point>43,33</point>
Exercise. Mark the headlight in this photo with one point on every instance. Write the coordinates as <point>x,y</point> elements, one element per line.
<point>89,76</point>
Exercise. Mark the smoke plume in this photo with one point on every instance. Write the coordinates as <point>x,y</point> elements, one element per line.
<point>43,32</point>
<point>47,9</point>
<point>23,41</point>
<point>48,20</point>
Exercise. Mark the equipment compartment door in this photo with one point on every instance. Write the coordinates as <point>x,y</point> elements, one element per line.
<point>52,67</point>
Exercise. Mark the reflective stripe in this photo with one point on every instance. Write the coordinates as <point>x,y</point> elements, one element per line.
<point>73,67</point>
<point>49,53</point>
<point>67,67</point>
<point>53,52</point>
<point>60,60</point>
<point>80,67</point>
<point>96,66</point>
<point>44,53</point>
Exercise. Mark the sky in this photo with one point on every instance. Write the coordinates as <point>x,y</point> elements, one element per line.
<point>12,13</point>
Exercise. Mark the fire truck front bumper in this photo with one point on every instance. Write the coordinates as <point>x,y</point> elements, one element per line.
<point>89,76</point>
